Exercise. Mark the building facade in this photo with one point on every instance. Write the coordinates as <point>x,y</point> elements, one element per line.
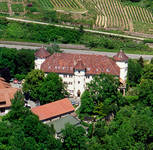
<point>76,70</point>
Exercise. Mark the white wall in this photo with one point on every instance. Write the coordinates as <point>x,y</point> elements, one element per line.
<point>68,79</point>
<point>123,69</point>
<point>76,82</point>
<point>38,62</point>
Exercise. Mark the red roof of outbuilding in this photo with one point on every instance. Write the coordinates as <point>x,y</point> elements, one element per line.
<point>120,56</point>
<point>4,84</point>
<point>53,109</point>
<point>6,95</point>
<point>66,63</point>
<point>42,53</point>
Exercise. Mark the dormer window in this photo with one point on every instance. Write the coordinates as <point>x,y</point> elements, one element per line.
<point>87,77</point>
<point>107,70</point>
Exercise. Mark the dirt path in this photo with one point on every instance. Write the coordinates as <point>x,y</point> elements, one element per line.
<point>140,34</point>
<point>9,7</point>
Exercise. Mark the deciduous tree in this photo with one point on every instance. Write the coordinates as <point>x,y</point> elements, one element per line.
<point>74,138</point>
<point>32,83</point>
<point>101,96</point>
<point>51,89</point>
<point>134,73</point>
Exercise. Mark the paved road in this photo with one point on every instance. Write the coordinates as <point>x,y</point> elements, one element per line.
<point>110,54</point>
<point>86,30</point>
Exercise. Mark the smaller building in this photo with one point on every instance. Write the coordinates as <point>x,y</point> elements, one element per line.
<point>6,94</point>
<point>54,110</point>
<point>59,124</point>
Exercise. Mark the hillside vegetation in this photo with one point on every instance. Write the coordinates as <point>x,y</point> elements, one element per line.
<point>17,31</point>
<point>123,15</point>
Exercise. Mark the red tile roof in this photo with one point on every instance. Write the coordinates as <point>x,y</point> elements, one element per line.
<point>4,84</point>
<point>79,65</point>
<point>53,109</point>
<point>120,56</point>
<point>42,53</point>
<point>6,95</point>
<point>66,63</point>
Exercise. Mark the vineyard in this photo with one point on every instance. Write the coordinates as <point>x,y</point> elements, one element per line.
<point>112,14</point>
<point>61,4</point>
<point>108,14</point>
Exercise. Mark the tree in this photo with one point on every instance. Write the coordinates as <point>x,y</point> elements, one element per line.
<point>5,73</point>
<point>21,129</point>
<point>132,128</point>
<point>134,73</point>
<point>147,72</point>
<point>15,30</point>
<point>17,108</point>
<point>51,89</point>
<point>24,61</point>
<point>146,92</point>
<point>14,62</point>
<point>54,48</point>
<point>7,60</point>
<point>87,104</point>
<point>74,138</point>
<point>50,16</point>
<point>101,96</point>
<point>151,62</point>
<point>141,62</point>
<point>32,83</point>
<point>81,30</point>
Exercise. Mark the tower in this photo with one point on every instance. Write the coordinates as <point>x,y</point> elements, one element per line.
<point>122,61</point>
<point>40,56</point>
<point>79,78</point>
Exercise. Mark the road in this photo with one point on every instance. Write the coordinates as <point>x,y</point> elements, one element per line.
<point>86,30</point>
<point>109,54</point>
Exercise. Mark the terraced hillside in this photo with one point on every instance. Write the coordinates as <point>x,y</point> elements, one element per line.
<point>61,4</point>
<point>112,14</point>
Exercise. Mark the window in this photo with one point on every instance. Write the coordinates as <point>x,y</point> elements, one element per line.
<point>107,70</point>
<point>65,75</point>
<point>87,77</point>
<point>70,83</point>
<point>2,110</point>
<point>70,76</point>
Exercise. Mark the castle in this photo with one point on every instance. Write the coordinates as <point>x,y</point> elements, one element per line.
<point>76,70</point>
